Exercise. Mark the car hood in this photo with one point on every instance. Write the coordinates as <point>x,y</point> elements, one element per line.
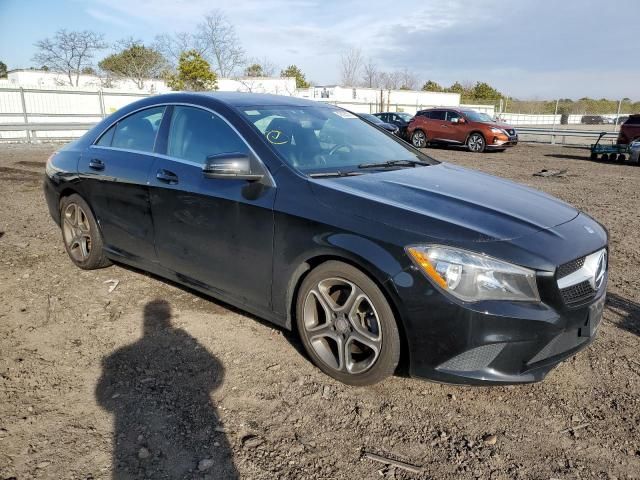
<point>504,126</point>
<point>444,201</point>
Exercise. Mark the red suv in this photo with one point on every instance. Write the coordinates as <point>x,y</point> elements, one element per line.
<point>629,130</point>
<point>478,131</point>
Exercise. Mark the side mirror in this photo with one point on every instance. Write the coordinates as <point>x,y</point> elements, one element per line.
<point>235,166</point>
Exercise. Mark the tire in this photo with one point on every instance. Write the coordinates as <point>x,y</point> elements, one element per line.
<point>80,234</point>
<point>476,143</point>
<point>604,157</point>
<point>419,139</point>
<point>337,307</point>
<point>621,157</point>
<point>594,156</point>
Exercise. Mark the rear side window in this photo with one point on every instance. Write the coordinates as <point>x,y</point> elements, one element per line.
<point>135,132</point>
<point>196,134</point>
<point>107,137</point>
<point>437,114</point>
<point>633,120</point>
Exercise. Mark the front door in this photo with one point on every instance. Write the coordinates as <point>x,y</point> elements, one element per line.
<point>215,234</point>
<point>115,171</point>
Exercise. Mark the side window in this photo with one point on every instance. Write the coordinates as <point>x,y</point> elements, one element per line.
<point>451,115</point>
<point>107,137</point>
<point>196,134</point>
<point>138,131</point>
<point>424,114</point>
<point>438,115</point>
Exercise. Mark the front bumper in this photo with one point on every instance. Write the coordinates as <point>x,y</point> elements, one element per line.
<point>493,342</point>
<point>497,342</point>
<point>502,141</point>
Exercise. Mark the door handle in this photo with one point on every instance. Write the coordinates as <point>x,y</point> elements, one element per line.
<point>96,164</point>
<point>167,176</point>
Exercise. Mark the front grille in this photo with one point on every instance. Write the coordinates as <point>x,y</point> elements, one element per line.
<point>577,293</point>
<point>570,267</point>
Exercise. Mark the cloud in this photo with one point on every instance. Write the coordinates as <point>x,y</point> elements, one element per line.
<point>570,45</point>
<point>107,18</point>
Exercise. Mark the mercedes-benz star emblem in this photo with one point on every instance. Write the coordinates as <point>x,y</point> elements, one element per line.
<point>601,270</point>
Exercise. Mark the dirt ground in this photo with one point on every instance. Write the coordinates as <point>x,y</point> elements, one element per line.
<point>153,378</point>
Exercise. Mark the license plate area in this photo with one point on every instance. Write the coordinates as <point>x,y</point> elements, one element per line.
<point>593,319</point>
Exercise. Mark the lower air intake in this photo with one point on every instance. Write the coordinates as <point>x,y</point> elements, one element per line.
<point>474,359</point>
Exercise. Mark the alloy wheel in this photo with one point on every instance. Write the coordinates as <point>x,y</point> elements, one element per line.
<point>476,143</point>
<point>419,139</point>
<point>76,232</point>
<point>342,326</point>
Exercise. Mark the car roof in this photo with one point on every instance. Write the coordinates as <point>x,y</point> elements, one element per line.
<point>242,99</point>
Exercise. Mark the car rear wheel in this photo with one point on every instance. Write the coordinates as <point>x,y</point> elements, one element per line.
<point>80,233</point>
<point>476,143</point>
<point>419,139</point>
<point>346,325</point>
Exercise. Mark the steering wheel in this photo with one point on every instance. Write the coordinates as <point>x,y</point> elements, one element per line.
<point>338,147</point>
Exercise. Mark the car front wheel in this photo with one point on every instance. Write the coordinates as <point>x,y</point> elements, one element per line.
<point>419,139</point>
<point>346,325</point>
<point>82,238</point>
<point>476,143</point>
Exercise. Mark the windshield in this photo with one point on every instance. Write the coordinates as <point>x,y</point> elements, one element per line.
<point>316,139</point>
<point>477,116</point>
<point>405,116</point>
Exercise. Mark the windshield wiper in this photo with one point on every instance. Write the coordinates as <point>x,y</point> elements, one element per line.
<point>394,163</point>
<point>337,173</point>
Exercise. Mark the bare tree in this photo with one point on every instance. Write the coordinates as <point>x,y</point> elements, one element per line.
<point>391,80</point>
<point>408,81</point>
<point>172,46</point>
<point>69,52</point>
<point>370,74</point>
<point>351,63</point>
<point>221,43</point>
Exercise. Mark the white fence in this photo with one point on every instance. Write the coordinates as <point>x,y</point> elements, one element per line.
<point>40,106</point>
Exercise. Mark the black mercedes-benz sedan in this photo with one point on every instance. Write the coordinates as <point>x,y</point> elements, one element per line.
<point>308,216</point>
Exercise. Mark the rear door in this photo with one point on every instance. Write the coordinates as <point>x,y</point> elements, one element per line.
<point>216,234</point>
<point>115,171</point>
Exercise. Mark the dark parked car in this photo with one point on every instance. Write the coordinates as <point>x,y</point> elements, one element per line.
<point>629,130</point>
<point>400,119</point>
<point>592,120</point>
<point>306,215</point>
<point>375,120</point>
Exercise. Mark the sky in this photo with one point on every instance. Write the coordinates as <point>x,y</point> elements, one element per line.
<point>529,49</point>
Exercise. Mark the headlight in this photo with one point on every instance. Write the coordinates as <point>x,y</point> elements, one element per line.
<point>498,130</point>
<point>472,277</point>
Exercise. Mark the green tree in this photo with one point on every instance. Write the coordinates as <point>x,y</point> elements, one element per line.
<point>484,91</point>
<point>3,70</point>
<point>135,62</point>
<point>254,70</point>
<point>194,74</point>
<point>294,71</point>
<point>431,86</point>
<point>88,71</point>
<point>456,88</point>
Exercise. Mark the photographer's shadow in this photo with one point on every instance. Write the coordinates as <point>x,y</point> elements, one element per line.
<point>158,389</point>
